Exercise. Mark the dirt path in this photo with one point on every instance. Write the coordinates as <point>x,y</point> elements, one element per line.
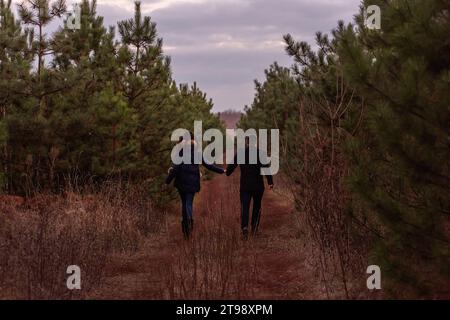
<point>280,265</point>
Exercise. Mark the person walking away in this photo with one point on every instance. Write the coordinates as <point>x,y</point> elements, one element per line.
<point>251,188</point>
<point>187,182</point>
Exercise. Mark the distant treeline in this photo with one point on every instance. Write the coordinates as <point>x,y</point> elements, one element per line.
<point>230,118</point>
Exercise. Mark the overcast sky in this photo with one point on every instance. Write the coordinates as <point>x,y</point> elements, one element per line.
<point>225,44</point>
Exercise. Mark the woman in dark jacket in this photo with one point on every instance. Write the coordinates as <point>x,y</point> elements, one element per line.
<point>187,182</point>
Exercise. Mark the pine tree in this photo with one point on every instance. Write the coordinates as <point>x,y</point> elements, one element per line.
<point>15,64</point>
<point>99,108</point>
<point>147,85</point>
<point>38,14</point>
<point>276,102</point>
<point>147,67</point>
<point>383,95</point>
<point>401,159</point>
<point>90,115</point>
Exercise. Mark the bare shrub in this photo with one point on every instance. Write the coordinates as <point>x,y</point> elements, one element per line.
<point>318,168</point>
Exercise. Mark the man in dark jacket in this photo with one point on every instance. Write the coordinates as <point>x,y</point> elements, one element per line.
<point>252,187</point>
<point>187,182</point>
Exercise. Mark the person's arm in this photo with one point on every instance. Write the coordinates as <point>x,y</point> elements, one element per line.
<point>213,168</point>
<point>172,174</point>
<point>232,167</point>
<point>270,181</point>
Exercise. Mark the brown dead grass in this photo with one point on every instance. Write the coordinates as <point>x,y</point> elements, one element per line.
<point>41,237</point>
<point>128,250</point>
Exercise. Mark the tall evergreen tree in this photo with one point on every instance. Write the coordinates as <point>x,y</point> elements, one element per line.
<point>383,95</point>
<point>147,85</point>
<point>147,67</point>
<point>84,115</point>
<point>401,159</point>
<point>99,108</point>
<point>276,101</point>
<point>38,14</point>
<point>15,65</point>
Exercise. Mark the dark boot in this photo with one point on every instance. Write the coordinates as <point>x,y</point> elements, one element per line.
<point>245,234</point>
<point>185,228</point>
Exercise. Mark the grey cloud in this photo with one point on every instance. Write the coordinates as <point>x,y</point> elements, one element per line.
<point>225,45</point>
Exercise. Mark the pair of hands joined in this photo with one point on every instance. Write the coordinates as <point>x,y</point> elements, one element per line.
<point>271,186</point>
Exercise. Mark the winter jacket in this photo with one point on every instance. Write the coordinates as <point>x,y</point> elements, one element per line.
<point>251,178</point>
<point>187,176</point>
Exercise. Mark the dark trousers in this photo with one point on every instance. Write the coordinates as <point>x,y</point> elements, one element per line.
<point>246,199</point>
<point>187,205</point>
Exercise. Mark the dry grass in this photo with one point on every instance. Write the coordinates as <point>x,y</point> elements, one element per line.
<point>128,250</point>
<point>42,237</point>
<point>216,263</point>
